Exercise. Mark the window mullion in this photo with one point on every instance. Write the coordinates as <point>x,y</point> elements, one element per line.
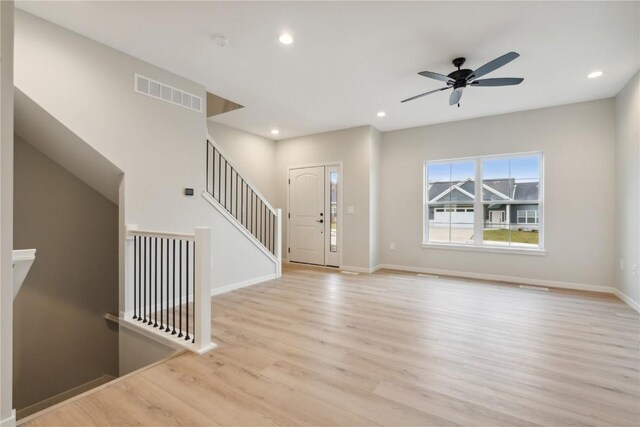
<point>478,208</point>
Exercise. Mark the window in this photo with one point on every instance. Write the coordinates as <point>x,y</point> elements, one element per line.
<point>333,215</point>
<point>508,212</point>
<point>528,217</point>
<point>450,208</point>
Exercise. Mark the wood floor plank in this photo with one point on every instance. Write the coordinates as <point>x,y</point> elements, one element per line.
<point>317,347</point>
<point>343,395</point>
<point>222,405</point>
<point>302,407</point>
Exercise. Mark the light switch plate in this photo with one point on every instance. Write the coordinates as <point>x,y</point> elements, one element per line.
<point>350,210</point>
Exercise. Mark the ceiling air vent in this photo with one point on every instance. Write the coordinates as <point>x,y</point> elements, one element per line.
<point>164,92</point>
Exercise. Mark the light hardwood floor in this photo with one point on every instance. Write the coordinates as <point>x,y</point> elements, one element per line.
<point>318,347</point>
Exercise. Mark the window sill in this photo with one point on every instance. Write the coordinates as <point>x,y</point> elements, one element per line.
<point>494,249</point>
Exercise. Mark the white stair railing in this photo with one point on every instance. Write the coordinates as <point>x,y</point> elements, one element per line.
<point>168,292</point>
<point>242,204</point>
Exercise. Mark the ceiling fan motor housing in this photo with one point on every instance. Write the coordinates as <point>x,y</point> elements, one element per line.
<point>460,76</point>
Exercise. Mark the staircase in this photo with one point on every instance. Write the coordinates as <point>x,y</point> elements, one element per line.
<point>243,205</point>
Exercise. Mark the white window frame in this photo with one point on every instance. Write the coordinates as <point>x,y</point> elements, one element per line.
<point>529,213</point>
<point>478,208</point>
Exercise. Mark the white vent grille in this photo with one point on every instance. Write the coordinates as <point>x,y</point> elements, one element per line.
<point>164,92</point>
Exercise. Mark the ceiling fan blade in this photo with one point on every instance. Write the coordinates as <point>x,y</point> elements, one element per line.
<point>493,65</point>
<point>424,94</point>
<point>436,76</point>
<point>506,81</point>
<point>455,96</point>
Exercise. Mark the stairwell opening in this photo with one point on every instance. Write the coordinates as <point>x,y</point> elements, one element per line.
<point>63,344</point>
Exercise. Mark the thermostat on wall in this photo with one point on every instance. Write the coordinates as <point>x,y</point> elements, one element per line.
<point>188,191</point>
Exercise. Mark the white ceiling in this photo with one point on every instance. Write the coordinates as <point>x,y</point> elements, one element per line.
<point>350,60</point>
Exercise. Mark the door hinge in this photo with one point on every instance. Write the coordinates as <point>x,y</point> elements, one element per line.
<point>288,250</point>
<point>288,215</point>
<point>289,180</point>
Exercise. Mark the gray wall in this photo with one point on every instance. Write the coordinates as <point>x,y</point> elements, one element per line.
<point>578,145</point>
<point>61,339</point>
<point>628,188</point>
<point>353,148</point>
<point>142,351</point>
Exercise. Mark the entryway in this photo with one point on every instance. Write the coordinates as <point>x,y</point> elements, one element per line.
<point>315,215</point>
<point>497,217</point>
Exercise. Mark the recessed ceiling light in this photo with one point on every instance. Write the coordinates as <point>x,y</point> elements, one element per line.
<point>286,38</point>
<point>381,114</point>
<point>275,131</point>
<point>221,40</point>
<point>595,74</point>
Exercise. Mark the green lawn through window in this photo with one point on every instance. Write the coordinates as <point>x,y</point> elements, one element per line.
<point>502,235</point>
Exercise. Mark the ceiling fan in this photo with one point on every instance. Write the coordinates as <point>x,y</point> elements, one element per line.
<point>460,79</point>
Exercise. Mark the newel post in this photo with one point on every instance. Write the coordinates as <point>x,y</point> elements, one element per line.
<point>202,292</point>
<point>278,247</point>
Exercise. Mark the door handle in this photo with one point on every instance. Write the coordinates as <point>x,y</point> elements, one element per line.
<point>321,221</point>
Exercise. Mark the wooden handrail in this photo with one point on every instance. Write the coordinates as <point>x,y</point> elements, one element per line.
<point>160,234</point>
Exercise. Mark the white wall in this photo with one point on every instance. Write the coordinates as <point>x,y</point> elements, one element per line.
<point>627,167</point>
<point>578,145</point>
<point>253,156</point>
<point>352,147</point>
<point>160,147</point>
<point>6,212</point>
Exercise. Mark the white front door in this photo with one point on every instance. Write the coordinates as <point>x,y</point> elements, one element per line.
<point>497,217</point>
<point>307,215</point>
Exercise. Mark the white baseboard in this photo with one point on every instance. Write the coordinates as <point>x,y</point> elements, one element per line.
<point>207,348</point>
<point>65,395</point>
<point>344,267</point>
<point>631,303</point>
<point>215,291</point>
<point>9,421</point>
<point>126,318</point>
<point>500,278</point>
<point>360,269</point>
<point>244,284</point>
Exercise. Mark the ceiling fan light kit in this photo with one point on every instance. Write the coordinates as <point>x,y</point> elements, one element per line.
<point>460,79</point>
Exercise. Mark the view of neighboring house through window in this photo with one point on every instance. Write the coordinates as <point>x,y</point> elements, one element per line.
<point>450,208</point>
<point>510,208</point>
